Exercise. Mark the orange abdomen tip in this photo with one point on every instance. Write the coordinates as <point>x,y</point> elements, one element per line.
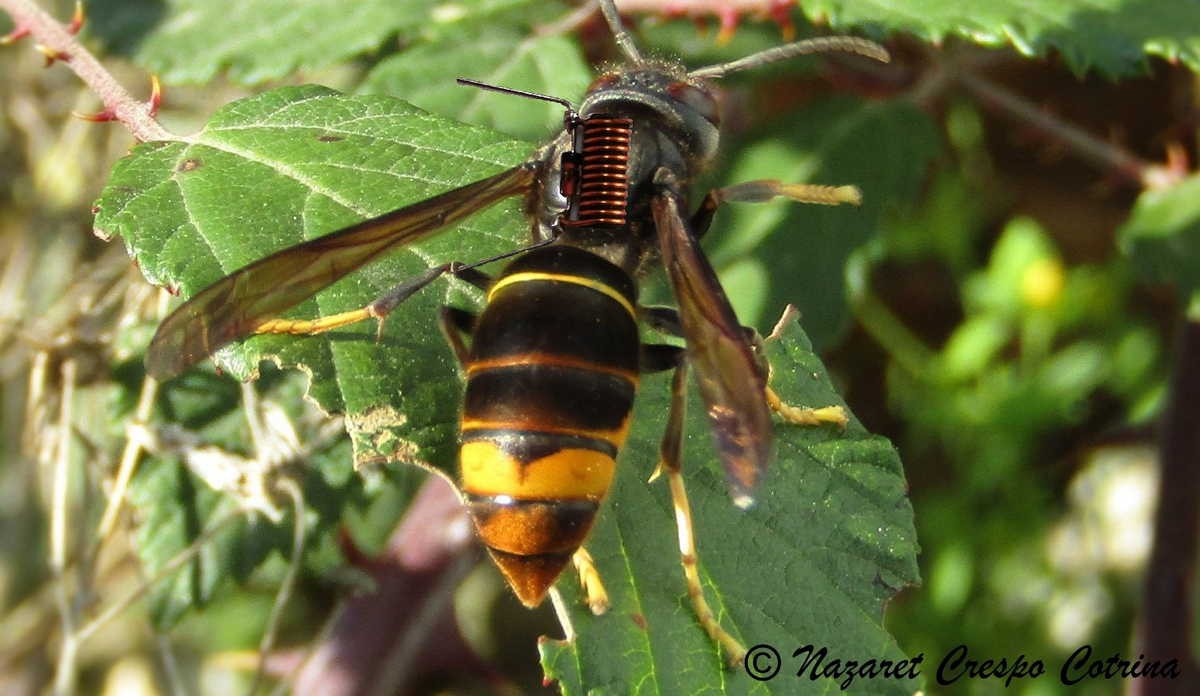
<point>531,540</point>
<point>530,577</point>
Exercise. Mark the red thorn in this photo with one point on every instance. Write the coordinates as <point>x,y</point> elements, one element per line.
<point>780,12</point>
<point>729,22</point>
<point>14,36</point>
<point>1177,158</point>
<point>98,117</point>
<point>156,96</point>
<point>77,19</point>
<point>674,9</point>
<point>52,54</point>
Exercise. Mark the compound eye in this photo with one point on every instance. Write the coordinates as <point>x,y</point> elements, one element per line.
<point>606,80</point>
<point>700,100</point>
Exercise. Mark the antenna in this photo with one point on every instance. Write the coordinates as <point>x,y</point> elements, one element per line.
<point>570,118</point>
<point>821,44</point>
<point>623,39</point>
<point>518,92</point>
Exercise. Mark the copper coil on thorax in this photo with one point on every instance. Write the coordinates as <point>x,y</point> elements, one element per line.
<point>603,187</point>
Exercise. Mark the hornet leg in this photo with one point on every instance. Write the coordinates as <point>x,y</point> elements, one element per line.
<point>670,464</point>
<point>457,324</point>
<point>764,190</point>
<point>666,320</point>
<point>663,319</point>
<point>797,415</point>
<point>377,309</point>
<point>589,578</point>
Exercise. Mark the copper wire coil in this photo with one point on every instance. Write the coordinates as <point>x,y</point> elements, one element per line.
<point>603,188</point>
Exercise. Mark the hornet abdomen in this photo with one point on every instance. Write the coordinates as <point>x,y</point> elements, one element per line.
<point>551,378</point>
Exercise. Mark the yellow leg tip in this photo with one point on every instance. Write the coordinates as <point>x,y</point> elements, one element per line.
<point>598,605</point>
<point>796,415</point>
<point>589,579</point>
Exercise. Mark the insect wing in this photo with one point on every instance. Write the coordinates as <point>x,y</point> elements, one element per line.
<point>234,306</point>
<point>730,378</point>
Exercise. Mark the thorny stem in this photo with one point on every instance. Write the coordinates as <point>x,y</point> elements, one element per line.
<point>702,7</point>
<point>135,115</point>
<point>1108,156</point>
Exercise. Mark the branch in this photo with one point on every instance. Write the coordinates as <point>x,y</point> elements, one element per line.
<point>1108,156</point>
<point>727,12</point>
<point>1167,604</point>
<point>58,42</point>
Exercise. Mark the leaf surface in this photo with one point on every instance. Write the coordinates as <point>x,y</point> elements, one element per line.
<point>1162,235</point>
<point>829,541</point>
<point>504,55</point>
<point>194,40</point>
<point>1111,36</point>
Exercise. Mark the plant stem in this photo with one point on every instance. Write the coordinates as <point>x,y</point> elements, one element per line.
<point>175,563</point>
<point>136,116</point>
<point>129,458</point>
<point>1167,607</point>
<point>292,489</point>
<point>65,671</point>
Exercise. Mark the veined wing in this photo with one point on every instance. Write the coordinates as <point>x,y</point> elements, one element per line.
<point>730,377</point>
<point>234,306</point>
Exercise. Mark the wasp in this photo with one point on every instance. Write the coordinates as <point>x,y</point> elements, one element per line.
<point>553,360</point>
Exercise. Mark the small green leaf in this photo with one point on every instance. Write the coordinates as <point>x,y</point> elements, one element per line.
<point>174,507</point>
<point>1162,235</point>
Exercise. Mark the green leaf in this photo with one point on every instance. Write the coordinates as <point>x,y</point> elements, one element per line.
<point>829,541</point>
<point>273,170</point>
<point>509,56</point>
<point>1111,36</point>
<point>175,506</point>
<point>194,40</point>
<point>1162,235</point>
<point>884,149</point>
